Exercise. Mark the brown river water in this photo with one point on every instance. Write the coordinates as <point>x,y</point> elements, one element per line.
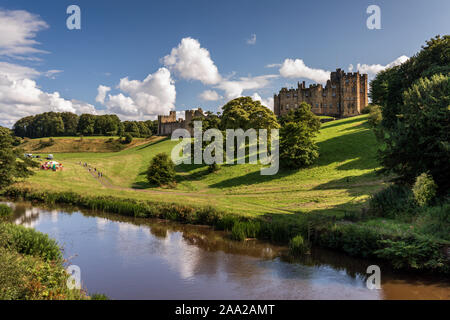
<point>127,258</point>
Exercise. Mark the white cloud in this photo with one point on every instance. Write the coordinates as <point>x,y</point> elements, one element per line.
<point>373,69</point>
<point>17,32</point>
<point>21,97</point>
<point>145,99</point>
<point>210,95</point>
<point>14,71</point>
<point>265,102</point>
<point>192,62</point>
<point>102,91</point>
<point>297,69</point>
<point>52,73</point>
<point>252,40</point>
<point>274,65</point>
<point>234,88</point>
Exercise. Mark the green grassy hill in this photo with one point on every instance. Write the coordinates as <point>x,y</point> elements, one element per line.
<point>78,144</point>
<point>341,181</point>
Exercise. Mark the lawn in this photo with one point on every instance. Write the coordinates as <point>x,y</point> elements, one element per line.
<point>341,181</point>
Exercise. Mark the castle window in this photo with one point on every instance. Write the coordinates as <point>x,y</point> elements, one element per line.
<point>295,95</point>
<point>347,81</point>
<point>317,105</point>
<point>288,96</point>
<point>334,94</point>
<point>333,86</point>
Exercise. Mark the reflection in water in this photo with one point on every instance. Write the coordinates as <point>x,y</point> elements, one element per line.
<point>129,258</point>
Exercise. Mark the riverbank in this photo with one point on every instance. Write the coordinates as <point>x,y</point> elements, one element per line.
<point>402,248</point>
<point>32,266</point>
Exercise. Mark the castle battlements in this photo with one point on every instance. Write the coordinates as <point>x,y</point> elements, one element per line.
<point>344,95</point>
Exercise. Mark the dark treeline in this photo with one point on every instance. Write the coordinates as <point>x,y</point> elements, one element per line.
<point>54,124</point>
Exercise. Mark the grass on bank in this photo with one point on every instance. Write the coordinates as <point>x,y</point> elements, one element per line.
<point>32,267</point>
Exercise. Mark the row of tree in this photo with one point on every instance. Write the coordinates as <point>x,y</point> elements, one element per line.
<point>53,124</point>
<point>412,121</point>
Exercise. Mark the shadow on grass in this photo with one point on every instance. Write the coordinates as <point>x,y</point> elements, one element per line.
<point>341,122</point>
<point>251,178</point>
<point>152,144</point>
<point>360,147</point>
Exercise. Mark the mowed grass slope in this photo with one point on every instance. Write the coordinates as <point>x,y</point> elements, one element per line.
<point>78,144</point>
<point>341,180</point>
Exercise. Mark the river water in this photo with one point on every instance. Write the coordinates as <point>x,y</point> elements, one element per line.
<point>127,258</point>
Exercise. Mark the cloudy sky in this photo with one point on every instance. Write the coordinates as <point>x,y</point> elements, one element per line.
<point>142,58</point>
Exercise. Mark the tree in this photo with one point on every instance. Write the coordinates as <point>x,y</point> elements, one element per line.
<point>297,146</point>
<point>13,164</point>
<point>161,170</point>
<point>86,124</point>
<point>414,115</point>
<point>128,138</point>
<point>421,141</point>
<point>70,121</point>
<point>244,113</point>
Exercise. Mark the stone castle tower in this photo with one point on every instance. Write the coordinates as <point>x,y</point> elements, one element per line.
<point>345,95</point>
<point>170,123</point>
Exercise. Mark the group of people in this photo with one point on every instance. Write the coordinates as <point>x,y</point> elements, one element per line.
<point>92,170</point>
<point>52,165</point>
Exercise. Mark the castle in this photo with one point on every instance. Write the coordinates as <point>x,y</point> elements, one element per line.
<point>344,95</point>
<point>168,124</point>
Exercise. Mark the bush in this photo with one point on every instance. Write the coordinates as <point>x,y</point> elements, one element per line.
<point>435,221</point>
<point>396,201</point>
<point>30,242</point>
<point>414,253</point>
<point>128,138</point>
<point>375,115</point>
<point>5,210</point>
<point>161,170</point>
<point>298,246</point>
<point>424,189</point>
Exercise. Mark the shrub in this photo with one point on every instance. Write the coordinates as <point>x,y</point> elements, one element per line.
<point>424,189</point>
<point>161,170</point>
<point>128,138</point>
<point>393,202</point>
<point>435,221</point>
<point>413,253</point>
<point>375,115</point>
<point>30,242</point>
<point>298,246</point>
<point>5,210</point>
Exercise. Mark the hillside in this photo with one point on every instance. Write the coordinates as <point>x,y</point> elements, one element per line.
<point>77,144</point>
<point>341,181</point>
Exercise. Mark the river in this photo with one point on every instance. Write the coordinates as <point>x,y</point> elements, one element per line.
<point>127,258</point>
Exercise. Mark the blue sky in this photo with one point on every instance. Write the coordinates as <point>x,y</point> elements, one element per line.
<point>120,39</point>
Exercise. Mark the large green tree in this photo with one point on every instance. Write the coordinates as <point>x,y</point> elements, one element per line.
<point>13,164</point>
<point>245,113</point>
<point>414,128</point>
<point>297,145</point>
